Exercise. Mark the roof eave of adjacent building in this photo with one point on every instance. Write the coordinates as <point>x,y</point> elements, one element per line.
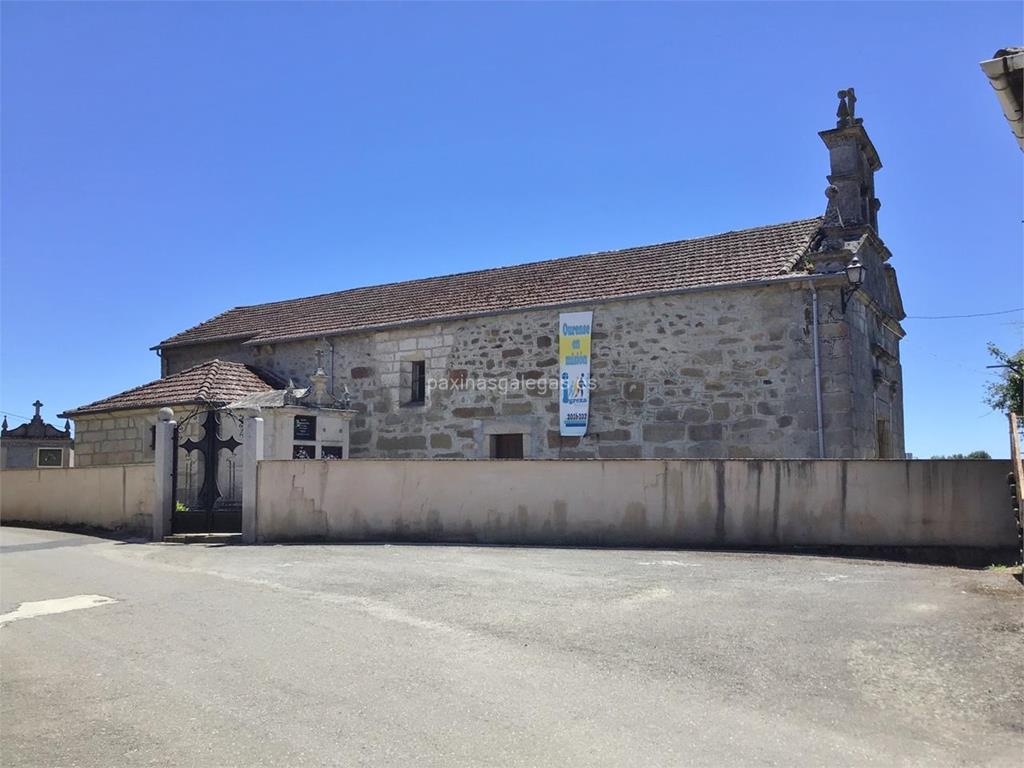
<point>78,412</point>
<point>171,344</point>
<point>998,71</point>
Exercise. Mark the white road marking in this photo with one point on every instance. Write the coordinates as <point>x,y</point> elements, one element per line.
<point>669,562</point>
<point>647,596</point>
<point>59,605</point>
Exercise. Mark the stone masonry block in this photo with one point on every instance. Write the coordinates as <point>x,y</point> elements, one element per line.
<point>663,433</point>
<point>440,440</point>
<point>620,451</point>
<point>409,442</point>
<point>704,432</point>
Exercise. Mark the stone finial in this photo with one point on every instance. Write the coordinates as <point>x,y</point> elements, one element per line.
<point>317,392</point>
<point>4,426</point>
<point>832,215</point>
<point>847,109</point>
<point>38,406</point>
<point>67,427</point>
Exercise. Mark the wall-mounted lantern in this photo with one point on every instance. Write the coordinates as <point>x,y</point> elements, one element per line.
<point>855,277</point>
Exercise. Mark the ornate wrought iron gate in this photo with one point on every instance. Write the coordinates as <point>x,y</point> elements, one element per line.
<point>209,511</point>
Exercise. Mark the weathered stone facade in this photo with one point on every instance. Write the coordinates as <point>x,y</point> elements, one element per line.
<point>710,373</point>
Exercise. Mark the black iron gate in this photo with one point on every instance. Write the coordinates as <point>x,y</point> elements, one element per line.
<point>209,512</point>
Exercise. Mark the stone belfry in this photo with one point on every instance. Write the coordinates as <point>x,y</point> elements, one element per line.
<point>852,203</point>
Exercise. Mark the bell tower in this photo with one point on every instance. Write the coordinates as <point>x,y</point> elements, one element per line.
<point>852,203</point>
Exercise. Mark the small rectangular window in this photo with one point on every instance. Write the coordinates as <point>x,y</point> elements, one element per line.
<point>418,389</point>
<point>507,446</point>
<point>50,457</point>
<point>303,451</point>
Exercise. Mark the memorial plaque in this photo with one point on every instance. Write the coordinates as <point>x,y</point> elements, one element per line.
<point>304,452</point>
<point>305,428</point>
<point>54,457</point>
<point>332,452</point>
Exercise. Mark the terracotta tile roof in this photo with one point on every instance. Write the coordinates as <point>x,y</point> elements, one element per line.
<point>732,257</point>
<point>215,383</point>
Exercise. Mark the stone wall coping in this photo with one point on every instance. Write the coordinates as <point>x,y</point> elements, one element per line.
<point>681,460</point>
<point>87,468</point>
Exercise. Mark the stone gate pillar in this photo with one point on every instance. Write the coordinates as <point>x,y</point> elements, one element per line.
<point>252,454</point>
<point>164,468</point>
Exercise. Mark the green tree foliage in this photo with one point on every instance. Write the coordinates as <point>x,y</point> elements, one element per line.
<point>971,455</point>
<point>1007,394</point>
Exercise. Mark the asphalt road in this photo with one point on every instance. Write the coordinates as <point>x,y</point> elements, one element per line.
<point>475,656</point>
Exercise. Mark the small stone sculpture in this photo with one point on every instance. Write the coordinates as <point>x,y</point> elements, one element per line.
<point>847,109</point>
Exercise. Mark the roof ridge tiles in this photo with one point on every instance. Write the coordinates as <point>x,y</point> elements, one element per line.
<point>524,264</point>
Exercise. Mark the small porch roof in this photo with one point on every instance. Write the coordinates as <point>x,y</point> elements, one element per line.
<point>214,383</point>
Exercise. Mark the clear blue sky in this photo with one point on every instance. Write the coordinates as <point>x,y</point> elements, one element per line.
<point>163,162</point>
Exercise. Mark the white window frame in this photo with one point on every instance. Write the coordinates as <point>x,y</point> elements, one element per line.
<point>405,380</point>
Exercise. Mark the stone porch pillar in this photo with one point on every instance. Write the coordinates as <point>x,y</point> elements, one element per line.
<point>164,467</point>
<point>252,454</point>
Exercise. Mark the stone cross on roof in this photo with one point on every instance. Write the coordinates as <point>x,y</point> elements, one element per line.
<point>36,428</point>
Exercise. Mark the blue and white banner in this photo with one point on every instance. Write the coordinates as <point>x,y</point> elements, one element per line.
<point>574,358</point>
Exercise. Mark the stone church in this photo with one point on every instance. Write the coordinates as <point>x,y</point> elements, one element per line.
<point>779,341</point>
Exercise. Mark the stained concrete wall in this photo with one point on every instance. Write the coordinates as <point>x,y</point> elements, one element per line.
<point>654,503</point>
<point>114,498</point>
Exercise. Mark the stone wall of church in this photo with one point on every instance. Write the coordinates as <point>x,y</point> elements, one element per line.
<point>713,373</point>
<point>877,394</point>
<point>114,438</point>
<point>126,436</point>
<point>868,400</point>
